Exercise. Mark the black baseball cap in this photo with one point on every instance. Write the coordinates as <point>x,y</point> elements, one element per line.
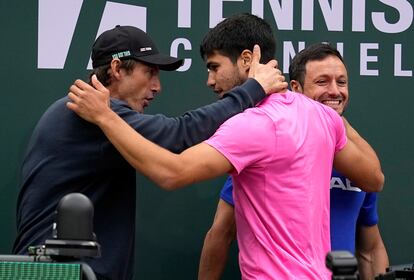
<point>125,42</point>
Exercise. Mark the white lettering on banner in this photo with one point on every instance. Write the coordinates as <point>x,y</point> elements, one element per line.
<point>405,11</point>
<point>365,58</point>
<point>174,52</point>
<point>397,63</point>
<point>216,11</point>
<point>282,12</point>
<point>290,52</point>
<point>358,15</point>
<point>332,11</point>
<point>57,22</point>
<point>184,14</point>
<point>333,14</point>
<point>307,15</point>
<point>340,48</point>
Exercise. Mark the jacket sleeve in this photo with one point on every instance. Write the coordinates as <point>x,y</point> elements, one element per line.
<point>178,133</point>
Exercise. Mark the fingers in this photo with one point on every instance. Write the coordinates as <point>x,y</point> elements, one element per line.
<point>73,100</point>
<point>272,63</point>
<point>72,106</point>
<point>256,54</point>
<point>75,94</point>
<point>255,61</point>
<point>283,86</point>
<point>279,72</point>
<point>76,90</point>
<point>73,97</point>
<point>97,84</point>
<point>255,65</point>
<point>81,84</point>
<point>80,87</point>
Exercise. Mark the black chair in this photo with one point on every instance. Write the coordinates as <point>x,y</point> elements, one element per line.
<point>60,257</point>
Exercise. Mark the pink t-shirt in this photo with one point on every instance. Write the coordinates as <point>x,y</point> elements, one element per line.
<point>282,152</point>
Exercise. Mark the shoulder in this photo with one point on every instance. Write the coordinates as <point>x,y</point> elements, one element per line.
<point>252,122</point>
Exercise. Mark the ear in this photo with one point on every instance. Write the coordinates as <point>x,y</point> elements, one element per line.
<point>295,86</point>
<point>246,58</point>
<point>116,68</point>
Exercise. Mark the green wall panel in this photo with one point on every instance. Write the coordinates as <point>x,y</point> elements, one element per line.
<point>171,225</point>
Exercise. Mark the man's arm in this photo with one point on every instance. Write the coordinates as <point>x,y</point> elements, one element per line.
<point>179,133</point>
<point>168,170</point>
<point>358,162</point>
<point>370,252</point>
<point>217,243</point>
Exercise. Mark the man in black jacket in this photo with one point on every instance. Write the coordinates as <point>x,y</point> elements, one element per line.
<point>67,154</point>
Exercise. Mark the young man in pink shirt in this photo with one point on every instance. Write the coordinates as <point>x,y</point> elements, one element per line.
<point>318,72</point>
<point>280,155</point>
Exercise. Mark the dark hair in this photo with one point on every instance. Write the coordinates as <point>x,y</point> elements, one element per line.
<point>103,74</point>
<point>319,51</point>
<point>237,33</point>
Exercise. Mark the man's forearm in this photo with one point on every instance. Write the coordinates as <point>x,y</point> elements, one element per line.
<point>213,257</point>
<point>370,252</point>
<point>166,169</point>
<point>217,243</point>
<point>179,133</point>
<point>372,264</point>
<point>142,154</point>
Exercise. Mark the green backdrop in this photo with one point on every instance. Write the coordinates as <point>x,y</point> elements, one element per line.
<point>377,41</point>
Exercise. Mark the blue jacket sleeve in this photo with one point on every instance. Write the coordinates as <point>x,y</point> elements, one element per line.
<point>178,133</point>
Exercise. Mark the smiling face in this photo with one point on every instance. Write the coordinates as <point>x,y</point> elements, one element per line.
<point>139,86</point>
<point>326,81</point>
<point>223,74</point>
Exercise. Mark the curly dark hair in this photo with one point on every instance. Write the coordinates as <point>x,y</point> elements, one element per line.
<point>237,33</point>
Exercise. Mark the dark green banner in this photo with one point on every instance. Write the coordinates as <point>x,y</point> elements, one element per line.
<point>45,46</point>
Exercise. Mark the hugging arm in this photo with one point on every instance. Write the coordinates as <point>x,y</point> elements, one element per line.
<point>179,133</point>
<point>168,170</point>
